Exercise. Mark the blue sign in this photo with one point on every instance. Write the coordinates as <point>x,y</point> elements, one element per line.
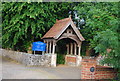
<point>38,46</point>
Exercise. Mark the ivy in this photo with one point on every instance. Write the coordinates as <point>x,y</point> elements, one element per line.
<point>26,21</point>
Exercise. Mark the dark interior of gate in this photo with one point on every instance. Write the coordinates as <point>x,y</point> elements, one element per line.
<point>62,49</point>
<point>66,48</point>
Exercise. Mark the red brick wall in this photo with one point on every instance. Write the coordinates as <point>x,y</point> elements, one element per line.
<point>71,59</point>
<point>100,72</point>
<point>85,70</point>
<point>103,72</point>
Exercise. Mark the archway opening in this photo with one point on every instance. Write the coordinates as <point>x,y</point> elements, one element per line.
<point>62,49</point>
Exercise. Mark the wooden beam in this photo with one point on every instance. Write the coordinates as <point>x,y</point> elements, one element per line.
<point>53,51</point>
<point>46,46</point>
<point>71,48</point>
<point>50,47</point>
<point>67,48</point>
<point>79,48</point>
<point>75,49</point>
<point>43,52</point>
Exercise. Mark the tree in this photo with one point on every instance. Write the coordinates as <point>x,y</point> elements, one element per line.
<point>101,30</point>
<point>24,22</point>
<point>98,17</point>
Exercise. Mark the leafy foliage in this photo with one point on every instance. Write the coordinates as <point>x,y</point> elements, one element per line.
<point>98,16</point>
<point>60,58</point>
<point>24,22</point>
<point>101,30</point>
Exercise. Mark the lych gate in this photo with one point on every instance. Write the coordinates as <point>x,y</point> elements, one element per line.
<point>64,29</point>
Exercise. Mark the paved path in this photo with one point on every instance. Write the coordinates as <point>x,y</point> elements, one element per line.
<point>14,70</point>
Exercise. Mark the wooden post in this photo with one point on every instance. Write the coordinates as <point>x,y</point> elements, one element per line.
<point>53,51</point>
<point>34,52</point>
<point>44,42</point>
<point>71,50</point>
<point>43,52</point>
<point>46,46</point>
<point>74,48</point>
<point>67,48</point>
<point>79,48</point>
<point>50,47</point>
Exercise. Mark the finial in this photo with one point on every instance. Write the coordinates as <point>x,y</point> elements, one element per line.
<point>69,16</point>
<point>57,20</point>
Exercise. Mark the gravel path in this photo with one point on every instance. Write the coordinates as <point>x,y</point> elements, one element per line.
<point>14,70</point>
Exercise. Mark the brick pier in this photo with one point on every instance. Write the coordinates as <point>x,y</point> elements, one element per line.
<point>99,72</point>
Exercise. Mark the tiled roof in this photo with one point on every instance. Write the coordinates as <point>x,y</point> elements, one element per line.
<point>59,28</point>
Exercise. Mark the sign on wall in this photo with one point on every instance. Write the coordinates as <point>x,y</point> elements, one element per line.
<point>38,46</point>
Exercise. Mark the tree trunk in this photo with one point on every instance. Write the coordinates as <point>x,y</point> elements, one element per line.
<point>30,49</point>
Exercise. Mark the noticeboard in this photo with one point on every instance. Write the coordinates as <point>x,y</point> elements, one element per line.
<point>38,46</point>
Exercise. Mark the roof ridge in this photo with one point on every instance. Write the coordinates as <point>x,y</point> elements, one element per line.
<point>65,19</point>
<point>60,26</point>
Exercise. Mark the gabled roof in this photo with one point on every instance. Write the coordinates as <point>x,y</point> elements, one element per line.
<point>60,26</point>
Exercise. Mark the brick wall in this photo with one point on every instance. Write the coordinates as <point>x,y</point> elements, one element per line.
<point>70,60</point>
<point>103,72</point>
<point>100,72</point>
<point>85,70</point>
<point>73,60</point>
